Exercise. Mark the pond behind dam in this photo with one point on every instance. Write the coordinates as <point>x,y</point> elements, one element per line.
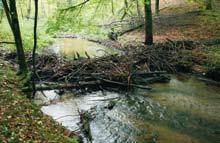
<point>75,48</point>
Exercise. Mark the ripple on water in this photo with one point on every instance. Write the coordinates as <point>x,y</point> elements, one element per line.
<point>183,111</point>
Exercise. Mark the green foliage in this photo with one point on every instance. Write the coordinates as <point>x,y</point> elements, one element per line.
<point>44,39</point>
<point>200,3</point>
<point>213,53</point>
<point>89,18</point>
<point>26,25</point>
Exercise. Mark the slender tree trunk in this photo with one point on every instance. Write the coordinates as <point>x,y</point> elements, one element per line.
<point>125,9</point>
<point>112,4</point>
<point>157,7</point>
<point>43,8</point>
<point>209,4</point>
<point>7,12</point>
<point>34,48</point>
<point>148,23</point>
<point>138,8</point>
<point>1,11</point>
<point>21,9</point>
<point>12,17</point>
<point>29,10</point>
<point>1,15</point>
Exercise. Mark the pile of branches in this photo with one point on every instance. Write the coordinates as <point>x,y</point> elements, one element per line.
<point>137,66</point>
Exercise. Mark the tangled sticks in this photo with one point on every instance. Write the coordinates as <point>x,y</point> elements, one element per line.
<point>137,67</point>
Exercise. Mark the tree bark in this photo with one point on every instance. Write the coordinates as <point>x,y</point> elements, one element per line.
<point>12,16</point>
<point>29,10</point>
<point>209,4</point>
<point>148,23</point>
<point>138,9</point>
<point>34,48</point>
<point>7,12</point>
<point>1,11</point>
<point>43,8</point>
<point>157,7</point>
<point>21,9</point>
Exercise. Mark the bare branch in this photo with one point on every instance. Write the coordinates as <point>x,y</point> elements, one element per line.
<point>75,6</point>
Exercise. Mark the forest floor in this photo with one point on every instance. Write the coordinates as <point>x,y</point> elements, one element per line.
<point>20,119</point>
<point>183,22</point>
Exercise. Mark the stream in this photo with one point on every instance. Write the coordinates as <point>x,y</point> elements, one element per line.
<point>185,110</point>
<point>182,111</point>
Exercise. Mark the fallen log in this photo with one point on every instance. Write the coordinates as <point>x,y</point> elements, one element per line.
<point>6,42</point>
<point>62,86</point>
<point>115,35</point>
<point>126,84</point>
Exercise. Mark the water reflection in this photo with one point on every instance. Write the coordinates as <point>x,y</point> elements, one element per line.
<point>182,111</point>
<point>80,48</point>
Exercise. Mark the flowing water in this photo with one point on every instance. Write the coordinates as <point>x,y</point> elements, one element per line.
<point>185,110</point>
<point>75,47</point>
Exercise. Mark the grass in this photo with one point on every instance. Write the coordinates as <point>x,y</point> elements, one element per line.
<point>20,119</point>
<point>213,54</point>
<point>44,39</point>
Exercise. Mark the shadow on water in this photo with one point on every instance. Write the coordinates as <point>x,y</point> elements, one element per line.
<point>183,111</point>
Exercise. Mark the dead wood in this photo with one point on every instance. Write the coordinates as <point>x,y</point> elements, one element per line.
<point>137,67</point>
<point>62,86</point>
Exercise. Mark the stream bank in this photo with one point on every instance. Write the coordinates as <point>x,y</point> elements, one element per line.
<point>21,120</point>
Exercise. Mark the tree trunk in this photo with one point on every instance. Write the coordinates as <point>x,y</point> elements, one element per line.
<point>1,15</point>
<point>21,9</point>
<point>148,23</point>
<point>35,48</point>
<point>7,12</point>
<point>157,7</point>
<point>125,9</point>
<point>209,4</point>
<point>12,17</point>
<point>43,8</point>
<point>29,10</point>
<point>1,11</point>
<point>138,9</point>
<point>112,6</point>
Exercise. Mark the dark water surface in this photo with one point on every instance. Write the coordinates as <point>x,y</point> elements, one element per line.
<point>185,110</point>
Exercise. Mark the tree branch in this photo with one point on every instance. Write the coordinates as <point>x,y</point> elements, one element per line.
<point>6,42</point>
<point>75,6</point>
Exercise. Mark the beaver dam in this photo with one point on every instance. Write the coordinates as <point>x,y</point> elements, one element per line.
<point>127,95</point>
<point>134,66</point>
